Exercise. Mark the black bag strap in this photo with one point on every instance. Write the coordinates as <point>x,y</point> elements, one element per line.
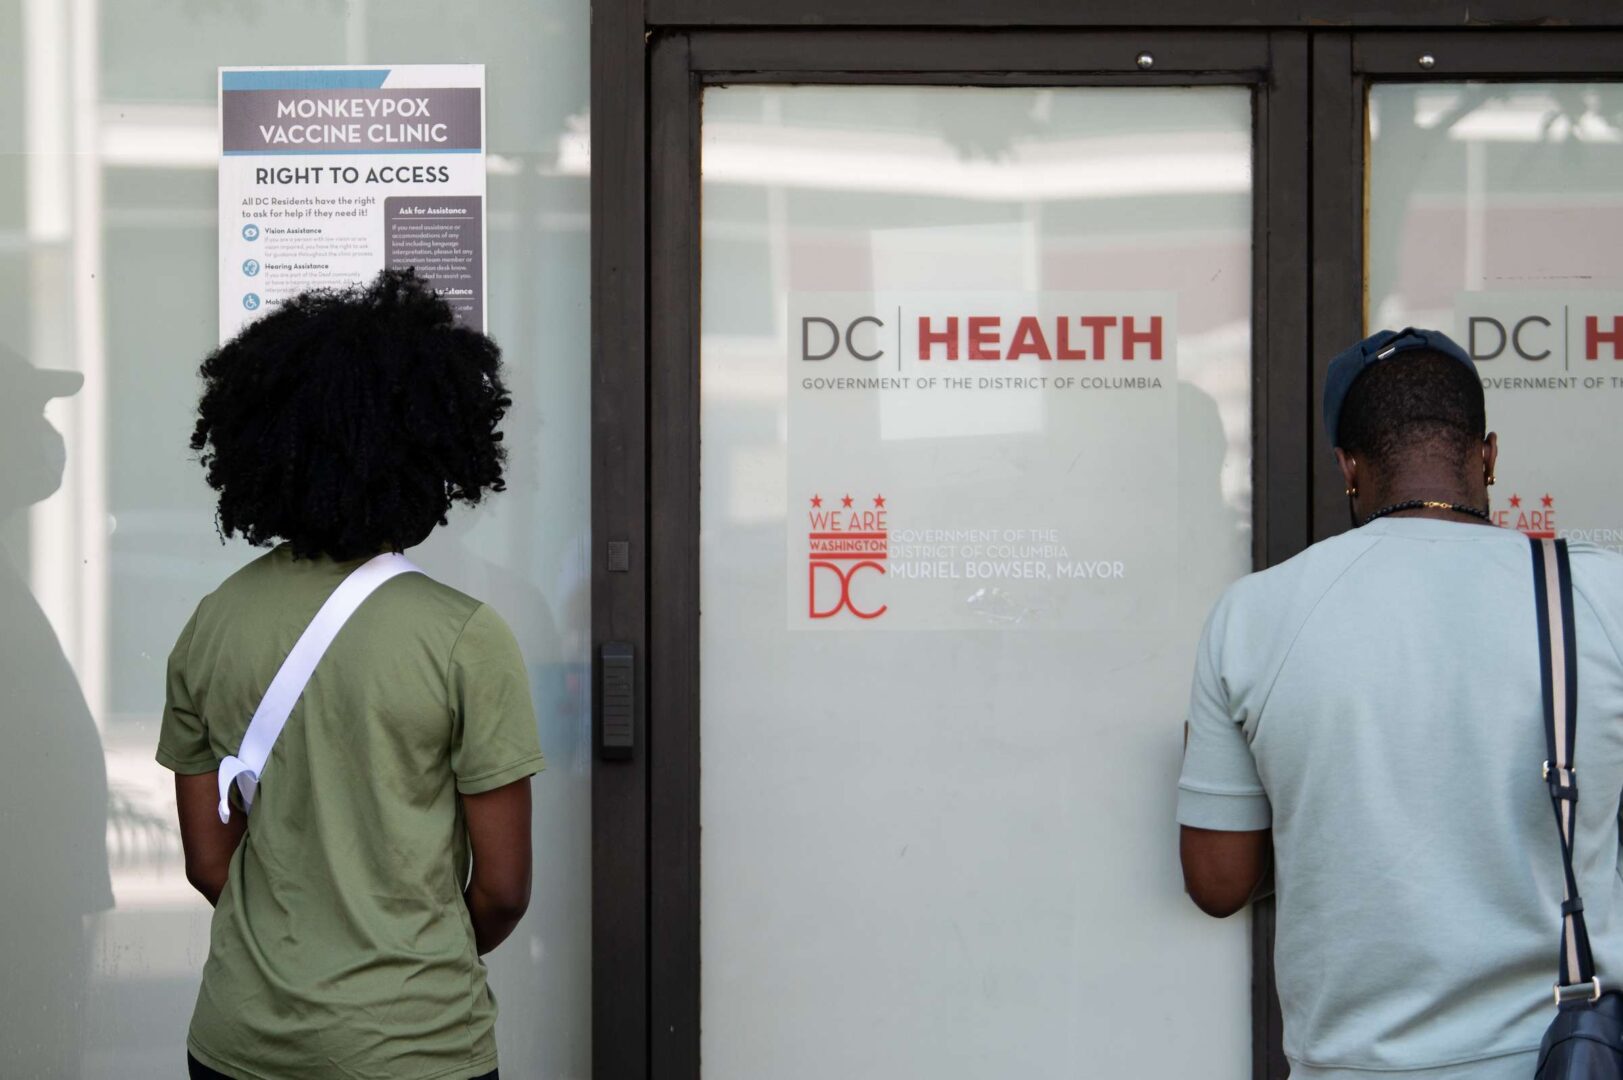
<point>1558,663</point>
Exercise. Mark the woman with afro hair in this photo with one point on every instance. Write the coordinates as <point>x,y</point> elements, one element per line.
<point>348,925</point>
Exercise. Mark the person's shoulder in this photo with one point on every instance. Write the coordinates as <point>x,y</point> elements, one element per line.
<point>1597,574</point>
<point>244,584</point>
<point>471,623</point>
<point>1597,581</point>
<point>1301,579</point>
<point>254,571</point>
<point>436,612</point>
<point>1254,623</point>
<point>279,580</point>
<point>1602,566</point>
<point>427,592</point>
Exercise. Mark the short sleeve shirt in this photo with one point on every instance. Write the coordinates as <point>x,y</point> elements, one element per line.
<point>341,946</point>
<point>1377,702</point>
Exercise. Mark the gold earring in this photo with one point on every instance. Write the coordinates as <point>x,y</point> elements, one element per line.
<point>1490,479</point>
<point>1353,490</point>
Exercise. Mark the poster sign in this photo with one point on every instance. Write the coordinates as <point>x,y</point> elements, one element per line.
<point>328,175</point>
<point>1551,364</point>
<point>978,460</point>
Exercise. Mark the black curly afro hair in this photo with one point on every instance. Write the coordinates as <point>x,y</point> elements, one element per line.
<point>347,422</point>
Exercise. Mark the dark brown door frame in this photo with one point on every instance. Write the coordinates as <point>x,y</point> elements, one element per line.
<point>619,528</point>
<point>625,809</point>
<point>1275,65</point>
<point>1344,67</point>
<point>1108,14</point>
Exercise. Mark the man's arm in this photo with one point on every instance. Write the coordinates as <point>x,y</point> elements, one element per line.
<point>208,845</point>
<point>499,831</point>
<point>1226,837</point>
<point>1222,871</point>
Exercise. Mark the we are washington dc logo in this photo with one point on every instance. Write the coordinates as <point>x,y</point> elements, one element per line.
<point>848,544</point>
<point>1535,518</point>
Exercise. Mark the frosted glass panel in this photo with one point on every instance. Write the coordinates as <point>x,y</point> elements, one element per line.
<point>976,459</point>
<point>1495,213</point>
<point>107,265</point>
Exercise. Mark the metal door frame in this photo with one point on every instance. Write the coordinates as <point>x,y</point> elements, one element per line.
<point>650,59</point>
<point>1274,65</point>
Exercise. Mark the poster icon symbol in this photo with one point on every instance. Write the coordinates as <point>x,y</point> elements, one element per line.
<point>251,301</point>
<point>250,267</point>
<point>250,231</point>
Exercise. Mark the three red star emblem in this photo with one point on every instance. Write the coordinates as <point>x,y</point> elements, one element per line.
<point>1547,500</point>
<point>848,502</point>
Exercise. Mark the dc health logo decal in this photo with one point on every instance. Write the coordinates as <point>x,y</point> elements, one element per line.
<point>847,549</point>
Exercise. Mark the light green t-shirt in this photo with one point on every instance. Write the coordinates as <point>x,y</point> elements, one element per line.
<point>341,946</point>
<point>1376,701</point>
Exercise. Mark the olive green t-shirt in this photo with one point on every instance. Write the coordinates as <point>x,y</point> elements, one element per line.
<point>341,946</point>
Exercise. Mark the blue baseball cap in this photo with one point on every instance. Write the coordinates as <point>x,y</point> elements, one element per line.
<point>1353,362</point>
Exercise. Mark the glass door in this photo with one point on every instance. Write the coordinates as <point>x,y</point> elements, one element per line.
<point>975,385</point>
<point>955,438</point>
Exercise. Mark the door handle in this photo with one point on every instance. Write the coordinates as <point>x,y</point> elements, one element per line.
<point>618,692</point>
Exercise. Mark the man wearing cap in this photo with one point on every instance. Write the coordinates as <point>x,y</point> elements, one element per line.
<point>1367,718</point>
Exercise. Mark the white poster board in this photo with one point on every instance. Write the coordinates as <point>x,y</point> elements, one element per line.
<point>945,464</point>
<point>328,175</point>
<point>1551,364</point>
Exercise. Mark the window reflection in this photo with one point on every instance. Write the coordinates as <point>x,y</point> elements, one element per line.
<point>1495,214</point>
<point>1479,186</point>
<point>53,786</point>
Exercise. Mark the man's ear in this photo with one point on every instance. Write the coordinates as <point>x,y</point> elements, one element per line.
<point>1490,453</point>
<point>1349,467</point>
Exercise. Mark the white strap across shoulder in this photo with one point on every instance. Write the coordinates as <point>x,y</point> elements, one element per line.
<point>246,766</point>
